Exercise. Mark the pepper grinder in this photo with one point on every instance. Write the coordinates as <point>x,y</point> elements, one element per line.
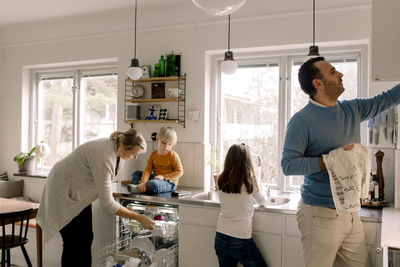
<point>379,174</point>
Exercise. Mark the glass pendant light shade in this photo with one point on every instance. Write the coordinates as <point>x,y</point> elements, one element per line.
<point>219,7</point>
<point>134,71</point>
<point>229,66</point>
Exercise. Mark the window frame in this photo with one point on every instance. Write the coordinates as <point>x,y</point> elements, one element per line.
<point>285,57</point>
<point>250,61</point>
<point>77,73</point>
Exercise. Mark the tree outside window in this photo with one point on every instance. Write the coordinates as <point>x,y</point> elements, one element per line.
<point>73,110</point>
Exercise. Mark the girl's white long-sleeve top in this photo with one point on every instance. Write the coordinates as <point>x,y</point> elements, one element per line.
<point>236,216</point>
<point>75,182</point>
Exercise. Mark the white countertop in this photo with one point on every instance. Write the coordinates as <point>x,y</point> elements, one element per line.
<point>366,214</point>
<point>390,235</point>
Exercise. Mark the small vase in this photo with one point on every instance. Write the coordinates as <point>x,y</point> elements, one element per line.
<point>215,182</point>
<point>28,166</point>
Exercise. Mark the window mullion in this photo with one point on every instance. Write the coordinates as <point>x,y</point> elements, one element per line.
<point>76,111</point>
<point>34,109</point>
<point>283,93</point>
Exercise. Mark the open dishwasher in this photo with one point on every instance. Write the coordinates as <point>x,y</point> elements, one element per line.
<point>136,246</point>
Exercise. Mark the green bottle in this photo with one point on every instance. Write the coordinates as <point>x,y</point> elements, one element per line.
<point>161,62</point>
<point>156,70</point>
<point>170,69</point>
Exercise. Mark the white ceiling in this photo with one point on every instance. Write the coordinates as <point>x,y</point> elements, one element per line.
<point>20,11</point>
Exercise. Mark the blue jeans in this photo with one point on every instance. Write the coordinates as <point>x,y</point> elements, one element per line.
<point>231,250</point>
<point>154,186</point>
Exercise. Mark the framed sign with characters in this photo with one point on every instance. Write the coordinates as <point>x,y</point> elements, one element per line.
<point>153,112</point>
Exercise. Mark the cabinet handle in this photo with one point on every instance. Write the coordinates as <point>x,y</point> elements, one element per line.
<point>379,250</point>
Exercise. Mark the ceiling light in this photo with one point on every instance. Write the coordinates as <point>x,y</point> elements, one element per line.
<point>229,66</point>
<point>135,71</point>
<point>219,7</point>
<point>313,50</point>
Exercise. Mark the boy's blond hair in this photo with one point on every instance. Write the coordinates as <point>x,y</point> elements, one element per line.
<point>167,134</point>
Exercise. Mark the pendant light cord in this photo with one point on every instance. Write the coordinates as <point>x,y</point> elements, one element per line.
<point>135,27</point>
<point>229,32</point>
<point>313,23</point>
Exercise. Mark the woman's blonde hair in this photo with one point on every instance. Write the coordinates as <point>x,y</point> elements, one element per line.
<point>129,139</point>
<point>168,134</point>
<point>238,170</point>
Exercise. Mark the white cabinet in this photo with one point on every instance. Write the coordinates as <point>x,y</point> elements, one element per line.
<point>385,40</point>
<point>373,236</point>
<point>270,246</point>
<point>276,235</point>
<point>197,227</point>
<point>267,233</point>
<point>196,246</point>
<point>293,251</point>
<point>292,246</point>
<point>197,232</point>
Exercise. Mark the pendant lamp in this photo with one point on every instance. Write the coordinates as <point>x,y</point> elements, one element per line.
<point>313,50</point>
<point>135,71</point>
<point>229,66</point>
<point>219,7</point>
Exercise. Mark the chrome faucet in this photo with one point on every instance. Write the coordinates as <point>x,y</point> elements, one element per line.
<point>257,163</point>
<point>267,190</point>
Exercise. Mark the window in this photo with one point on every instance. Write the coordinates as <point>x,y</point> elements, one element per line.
<point>256,102</point>
<point>73,107</point>
<point>250,114</point>
<point>348,66</point>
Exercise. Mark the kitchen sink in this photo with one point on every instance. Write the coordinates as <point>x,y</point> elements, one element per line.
<point>277,201</point>
<point>210,196</point>
<point>213,197</point>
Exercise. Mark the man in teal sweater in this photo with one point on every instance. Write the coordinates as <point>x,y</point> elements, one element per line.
<point>325,124</point>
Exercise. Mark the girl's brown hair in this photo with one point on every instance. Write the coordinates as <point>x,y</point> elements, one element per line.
<point>238,170</point>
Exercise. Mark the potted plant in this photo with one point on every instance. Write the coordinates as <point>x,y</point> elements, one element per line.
<point>214,162</point>
<point>26,161</point>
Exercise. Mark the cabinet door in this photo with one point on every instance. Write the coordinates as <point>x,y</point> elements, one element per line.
<point>197,227</point>
<point>197,215</point>
<point>196,246</point>
<point>270,246</point>
<point>292,246</point>
<point>372,237</point>
<point>292,252</point>
<point>385,41</point>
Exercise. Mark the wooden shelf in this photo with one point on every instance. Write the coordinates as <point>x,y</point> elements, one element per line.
<point>154,79</point>
<point>152,121</point>
<point>180,101</point>
<point>152,100</point>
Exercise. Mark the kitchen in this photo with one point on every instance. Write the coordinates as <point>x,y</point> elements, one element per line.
<point>273,28</point>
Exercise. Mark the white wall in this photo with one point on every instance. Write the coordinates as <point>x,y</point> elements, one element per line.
<point>183,29</point>
<point>109,35</point>
<point>106,35</point>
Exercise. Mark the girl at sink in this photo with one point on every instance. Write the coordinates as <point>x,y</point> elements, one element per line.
<point>237,188</point>
<point>165,165</point>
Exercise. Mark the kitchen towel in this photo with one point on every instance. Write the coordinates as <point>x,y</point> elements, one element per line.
<point>349,176</point>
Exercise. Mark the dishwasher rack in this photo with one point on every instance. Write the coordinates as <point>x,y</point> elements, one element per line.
<point>148,248</point>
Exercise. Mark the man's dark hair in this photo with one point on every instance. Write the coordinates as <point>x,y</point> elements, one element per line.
<point>307,73</point>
